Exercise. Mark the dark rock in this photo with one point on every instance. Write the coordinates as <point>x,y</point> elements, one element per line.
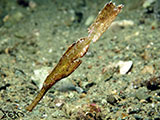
<point>5,86</point>
<point>111,99</point>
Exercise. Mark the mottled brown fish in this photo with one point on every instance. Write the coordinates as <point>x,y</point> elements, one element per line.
<point>70,59</point>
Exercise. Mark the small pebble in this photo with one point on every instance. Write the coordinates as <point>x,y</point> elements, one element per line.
<point>141,94</point>
<point>111,99</point>
<point>89,20</point>
<point>124,66</point>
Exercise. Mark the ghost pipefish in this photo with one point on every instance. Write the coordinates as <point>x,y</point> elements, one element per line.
<point>71,58</point>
